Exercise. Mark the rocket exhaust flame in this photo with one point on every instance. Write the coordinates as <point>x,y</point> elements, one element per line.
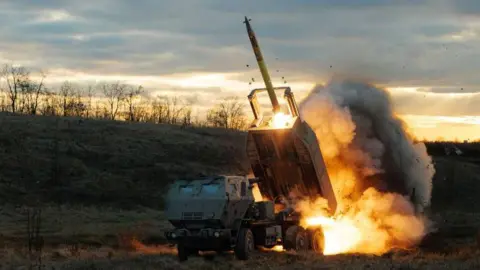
<point>281,120</point>
<point>257,195</point>
<point>382,179</point>
<point>373,165</point>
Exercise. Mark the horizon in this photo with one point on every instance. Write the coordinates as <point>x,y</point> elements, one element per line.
<point>422,52</point>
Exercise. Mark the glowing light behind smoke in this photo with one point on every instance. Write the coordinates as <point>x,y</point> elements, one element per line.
<point>281,120</point>
<point>359,135</point>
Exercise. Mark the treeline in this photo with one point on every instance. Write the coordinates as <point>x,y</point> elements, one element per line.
<point>22,93</point>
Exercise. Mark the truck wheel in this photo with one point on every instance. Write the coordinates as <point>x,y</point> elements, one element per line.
<point>317,240</point>
<point>296,239</point>
<point>245,244</point>
<point>182,252</point>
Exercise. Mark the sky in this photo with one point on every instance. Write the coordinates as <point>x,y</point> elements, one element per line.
<point>425,52</point>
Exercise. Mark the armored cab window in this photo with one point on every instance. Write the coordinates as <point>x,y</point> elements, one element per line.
<point>210,188</point>
<point>186,189</point>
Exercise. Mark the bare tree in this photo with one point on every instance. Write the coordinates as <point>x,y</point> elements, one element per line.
<point>175,109</point>
<point>187,116</point>
<point>76,105</point>
<point>14,77</point>
<point>90,92</point>
<point>49,104</point>
<point>158,111</point>
<point>115,94</point>
<point>170,110</point>
<point>100,112</point>
<point>3,103</point>
<point>66,93</point>
<point>144,111</point>
<point>31,93</point>
<point>131,96</point>
<point>227,114</point>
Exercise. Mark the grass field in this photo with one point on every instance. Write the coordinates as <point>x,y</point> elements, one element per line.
<point>111,163</point>
<point>100,185</point>
<point>103,238</point>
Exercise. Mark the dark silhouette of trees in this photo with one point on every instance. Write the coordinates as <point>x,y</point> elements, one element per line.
<point>227,114</point>
<point>115,94</point>
<point>21,93</point>
<point>131,99</point>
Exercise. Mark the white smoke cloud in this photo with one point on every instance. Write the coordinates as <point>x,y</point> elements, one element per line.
<point>357,128</point>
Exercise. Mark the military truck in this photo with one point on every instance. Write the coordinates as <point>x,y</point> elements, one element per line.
<point>220,213</point>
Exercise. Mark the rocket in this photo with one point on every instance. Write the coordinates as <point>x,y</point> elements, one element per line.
<point>263,66</point>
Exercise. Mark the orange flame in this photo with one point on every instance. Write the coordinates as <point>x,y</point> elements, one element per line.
<point>366,220</point>
<point>375,224</point>
<point>281,120</point>
<point>278,248</point>
<point>257,195</point>
<point>160,249</point>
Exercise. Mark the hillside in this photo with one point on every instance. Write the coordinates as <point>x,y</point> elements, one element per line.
<point>104,183</point>
<point>123,164</point>
<point>68,160</point>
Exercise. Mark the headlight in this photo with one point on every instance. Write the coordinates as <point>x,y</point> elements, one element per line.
<point>173,235</point>
<point>216,234</point>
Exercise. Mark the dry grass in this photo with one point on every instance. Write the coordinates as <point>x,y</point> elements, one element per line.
<point>118,172</point>
<point>106,238</point>
<point>88,226</point>
<point>100,162</point>
<point>467,257</point>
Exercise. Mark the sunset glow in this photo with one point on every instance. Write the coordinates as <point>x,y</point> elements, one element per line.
<point>424,53</point>
<point>219,85</point>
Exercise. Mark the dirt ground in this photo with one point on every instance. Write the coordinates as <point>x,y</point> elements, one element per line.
<point>105,238</point>
<point>466,258</point>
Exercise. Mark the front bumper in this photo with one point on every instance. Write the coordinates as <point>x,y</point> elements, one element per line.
<point>205,239</point>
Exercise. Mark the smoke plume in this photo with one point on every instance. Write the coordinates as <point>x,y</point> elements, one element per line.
<point>381,177</point>
<point>357,128</point>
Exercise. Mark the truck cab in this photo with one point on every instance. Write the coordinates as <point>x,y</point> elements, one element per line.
<point>207,212</point>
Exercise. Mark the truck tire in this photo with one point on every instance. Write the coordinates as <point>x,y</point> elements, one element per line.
<point>317,238</point>
<point>296,239</point>
<point>182,252</point>
<point>245,244</point>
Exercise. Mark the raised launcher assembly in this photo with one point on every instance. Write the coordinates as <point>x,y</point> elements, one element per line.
<point>219,213</point>
<point>285,158</point>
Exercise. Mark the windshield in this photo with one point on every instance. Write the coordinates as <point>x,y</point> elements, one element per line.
<point>186,189</point>
<point>210,188</point>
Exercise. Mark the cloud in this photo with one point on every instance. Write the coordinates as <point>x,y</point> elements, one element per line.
<point>460,89</point>
<point>430,45</point>
<point>468,7</point>
<point>436,104</point>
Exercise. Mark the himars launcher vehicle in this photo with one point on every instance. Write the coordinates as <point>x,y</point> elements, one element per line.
<point>219,213</point>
